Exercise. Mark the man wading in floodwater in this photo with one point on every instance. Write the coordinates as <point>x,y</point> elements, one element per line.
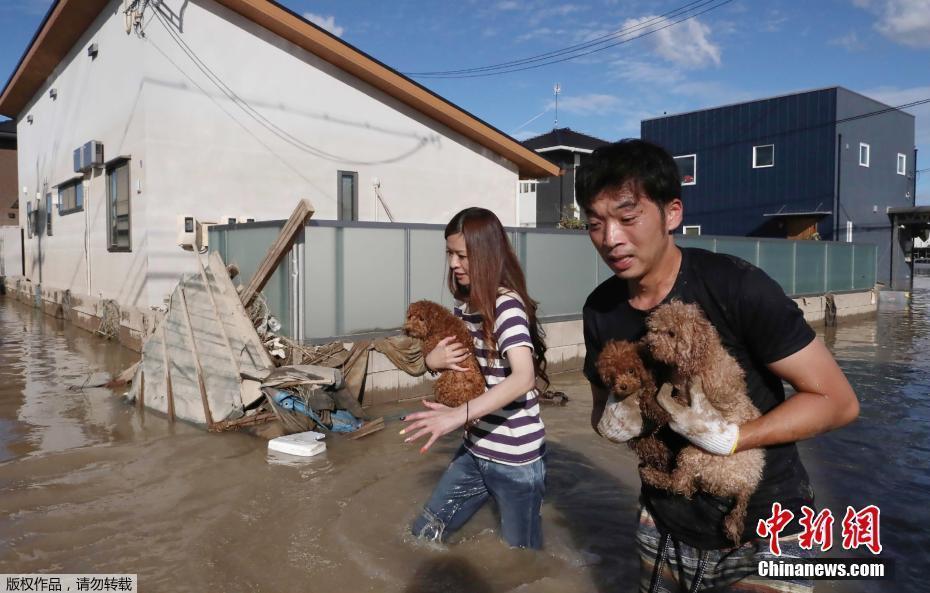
<point>630,192</point>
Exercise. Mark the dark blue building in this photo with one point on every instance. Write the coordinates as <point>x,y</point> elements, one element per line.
<point>822,164</point>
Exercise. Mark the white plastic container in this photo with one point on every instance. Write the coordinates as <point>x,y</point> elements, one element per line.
<point>305,444</point>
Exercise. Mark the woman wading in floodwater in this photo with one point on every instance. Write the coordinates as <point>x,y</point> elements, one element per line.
<point>502,456</point>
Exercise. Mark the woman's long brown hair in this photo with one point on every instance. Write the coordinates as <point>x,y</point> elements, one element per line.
<point>492,264</point>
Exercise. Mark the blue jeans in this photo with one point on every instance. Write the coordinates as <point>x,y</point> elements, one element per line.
<point>468,483</point>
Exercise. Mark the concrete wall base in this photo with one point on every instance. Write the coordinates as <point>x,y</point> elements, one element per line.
<point>384,383</point>
<point>84,311</point>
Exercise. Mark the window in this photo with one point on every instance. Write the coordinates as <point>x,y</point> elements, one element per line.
<point>763,156</point>
<point>11,215</point>
<point>48,214</point>
<point>527,187</point>
<point>118,213</point>
<point>691,229</point>
<point>70,197</point>
<point>863,154</point>
<point>687,167</point>
<point>902,164</point>
<point>347,200</point>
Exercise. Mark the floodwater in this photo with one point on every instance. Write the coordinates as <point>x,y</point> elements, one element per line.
<point>89,484</point>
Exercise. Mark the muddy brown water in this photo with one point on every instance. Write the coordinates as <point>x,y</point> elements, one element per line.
<point>88,484</point>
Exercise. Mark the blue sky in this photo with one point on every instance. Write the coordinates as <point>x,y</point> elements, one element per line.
<point>737,50</point>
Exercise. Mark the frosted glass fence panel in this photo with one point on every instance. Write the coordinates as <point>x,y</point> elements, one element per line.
<point>373,280</point>
<point>811,267</point>
<point>839,266</point>
<point>741,248</point>
<point>428,268</point>
<point>358,278</point>
<point>246,248</point>
<point>864,264</point>
<point>561,270</point>
<point>777,258</point>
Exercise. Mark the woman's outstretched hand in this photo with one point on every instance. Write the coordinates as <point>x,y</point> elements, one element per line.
<point>448,354</point>
<point>439,420</point>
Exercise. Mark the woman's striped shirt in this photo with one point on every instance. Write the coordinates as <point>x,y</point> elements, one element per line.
<point>515,434</point>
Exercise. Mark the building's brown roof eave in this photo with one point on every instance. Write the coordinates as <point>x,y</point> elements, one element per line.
<point>64,24</point>
<point>68,19</point>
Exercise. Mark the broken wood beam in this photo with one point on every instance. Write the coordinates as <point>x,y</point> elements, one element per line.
<point>208,417</point>
<point>168,389</point>
<point>278,251</point>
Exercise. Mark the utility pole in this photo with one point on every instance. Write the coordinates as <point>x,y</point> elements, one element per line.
<point>556,89</point>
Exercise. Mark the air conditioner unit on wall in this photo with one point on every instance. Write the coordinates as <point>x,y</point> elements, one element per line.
<point>193,234</point>
<point>88,156</point>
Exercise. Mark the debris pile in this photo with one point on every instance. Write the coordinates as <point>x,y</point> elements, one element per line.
<point>216,360</point>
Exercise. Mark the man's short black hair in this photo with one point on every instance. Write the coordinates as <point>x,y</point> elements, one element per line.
<point>649,168</point>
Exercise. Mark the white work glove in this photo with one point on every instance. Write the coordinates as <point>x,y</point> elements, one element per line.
<point>622,420</point>
<point>702,423</point>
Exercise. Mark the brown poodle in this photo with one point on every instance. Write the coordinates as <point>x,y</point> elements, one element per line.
<point>431,322</point>
<point>621,368</point>
<point>682,337</point>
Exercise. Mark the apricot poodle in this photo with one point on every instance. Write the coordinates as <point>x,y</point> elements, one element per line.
<point>431,322</point>
<point>622,370</point>
<point>682,337</point>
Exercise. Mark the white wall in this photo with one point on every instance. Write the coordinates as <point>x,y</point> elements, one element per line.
<point>98,99</point>
<point>256,125</point>
<point>272,123</point>
<point>11,262</point>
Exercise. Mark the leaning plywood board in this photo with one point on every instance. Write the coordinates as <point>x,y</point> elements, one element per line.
<point>192,365</point>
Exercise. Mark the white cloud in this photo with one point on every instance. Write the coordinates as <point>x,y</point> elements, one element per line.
<point>773,21</point>
<point>685,44</point>
<point>902,21</point>
<point>849,42</point>
<point>649,72</point>
<point>326,22</point>
<point>507,5</point>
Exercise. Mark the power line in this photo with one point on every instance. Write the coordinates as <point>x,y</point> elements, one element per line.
<point>569,49</point>
<point>261,119</point>
<point>549,62</point>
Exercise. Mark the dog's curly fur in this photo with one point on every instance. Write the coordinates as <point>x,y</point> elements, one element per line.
<point>621,368</point>
<point>682,337</point>
<point>431,322</point>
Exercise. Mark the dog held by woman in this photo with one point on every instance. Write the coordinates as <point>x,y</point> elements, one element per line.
<point>681,336</point>
<point>431,322</point>
<point>621,368</point>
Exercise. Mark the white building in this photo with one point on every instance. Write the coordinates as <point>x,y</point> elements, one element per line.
<point>225,108</point>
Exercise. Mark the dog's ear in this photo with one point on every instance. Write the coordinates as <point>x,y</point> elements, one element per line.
<point>694,336</point>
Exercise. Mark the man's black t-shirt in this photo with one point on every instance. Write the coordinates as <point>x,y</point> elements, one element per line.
<point>758,325</point>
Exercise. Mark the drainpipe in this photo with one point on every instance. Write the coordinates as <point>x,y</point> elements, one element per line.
<point>87,192</point>
<point>836,194</point>
<point>914,184</point>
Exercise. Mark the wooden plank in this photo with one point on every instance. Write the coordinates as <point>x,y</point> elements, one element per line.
<point>245,421</point>
<point>368,428</point>
<point>140,401</point>
<point>278,250</point>
<point>190,332</point>
<point>164,348</point>
<point>259,357</point>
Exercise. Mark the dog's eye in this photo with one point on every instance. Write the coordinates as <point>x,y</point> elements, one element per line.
<point>629,371</point>
<point>671,333</point>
